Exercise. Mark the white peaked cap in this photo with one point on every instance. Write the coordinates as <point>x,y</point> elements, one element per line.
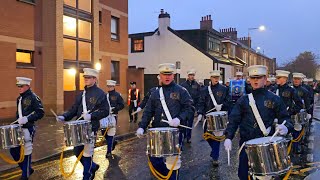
<point>239,73</point>
<point>191,71</point>
<point>111,83</point>
<point>215,73</point>
<point>167,68</point>
<point>297,75</point>
<point>23,81</point>
<point>90,72</point>
<point>257,70</point>
<point>282,73</point>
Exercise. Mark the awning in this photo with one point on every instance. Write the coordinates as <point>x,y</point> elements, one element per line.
<point>240,60</point>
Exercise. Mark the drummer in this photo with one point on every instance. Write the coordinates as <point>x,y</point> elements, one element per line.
<point>180,106</point>
<point>29,110</point>
<point>269,106</point>
<point>304,95</point>
<point>220,101</point>
<point>116,104</point>
<point>92,105</point>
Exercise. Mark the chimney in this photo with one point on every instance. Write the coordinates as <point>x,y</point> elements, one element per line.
<point>245,41</point>
<point>230,33</point>
<point>163,21</point>
<point>206,23</point>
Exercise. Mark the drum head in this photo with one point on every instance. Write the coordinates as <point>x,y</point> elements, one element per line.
<point>217,113</point>
<point>163,129</point>
<point>264,140</point>
<point>78,122</point>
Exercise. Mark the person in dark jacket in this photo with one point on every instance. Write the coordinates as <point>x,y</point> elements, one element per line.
<point>180,106</point>
<point>269,86</point>
<point>147,96</point>
<point>287,94</point>
<point>29,110</point>
<point>116,104</point>
<point>269,107</point>
<point>90,105</point>
<point>194,90</point>
<point>133,101</point>
<point>206,103</point>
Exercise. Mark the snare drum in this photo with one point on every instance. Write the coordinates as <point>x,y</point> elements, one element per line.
<point>268,158</point>
<point>108,122</point>
<point>299,118</point>
<point>10,136</point>
<point>77,133</point>
<point>163,142</point>
<point>217,121</point>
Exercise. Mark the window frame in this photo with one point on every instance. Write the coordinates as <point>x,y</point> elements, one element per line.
<point>133,47</point>
<point>117,34</point>
<point>22,64</point>
<point>118,73</point>
<point>32,2</point>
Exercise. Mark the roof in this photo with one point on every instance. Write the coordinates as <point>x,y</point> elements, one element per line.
<point>214,58</point>
<point>143,34</point>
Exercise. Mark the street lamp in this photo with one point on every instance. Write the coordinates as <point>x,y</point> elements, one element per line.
<point>260,28</point>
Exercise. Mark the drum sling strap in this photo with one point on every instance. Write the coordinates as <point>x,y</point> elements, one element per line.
<point>84,103</point>
<point>212,98</point>
<point>164,105</point>
<point>256,114</point>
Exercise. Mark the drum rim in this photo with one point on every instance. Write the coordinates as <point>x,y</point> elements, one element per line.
<point>77,122</point>
<point>10,125</point>
<point>162,129</point>
<point>265,144</point>
<point>271,173</point>
<point>217,112</point>
<point>163,155</point>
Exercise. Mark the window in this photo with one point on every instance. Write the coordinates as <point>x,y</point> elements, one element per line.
<point>244,57</point>
<point>115,71</point>
<point>69,26</point>
<point>84,51</point>
<point>71,3</point>
<point>81,83</point>
<point>28,1</point>
<point>114,28</point>
<point>69,49</point>
<point>84,29</point>
<point>69,79</point>
<point>85,5</point>
<point>100,17</point>
<point>137,45</point>
<point>24,57</point>
<point>214,44</point>
<point>222,70</point>
<point>233,50</point>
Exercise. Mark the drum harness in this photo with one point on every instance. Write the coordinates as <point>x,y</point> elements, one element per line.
<point>157,174</point>
<point>207,135</point>
<point>107,129</point>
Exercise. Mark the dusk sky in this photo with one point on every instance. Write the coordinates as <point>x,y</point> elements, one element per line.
<point>293,26</point>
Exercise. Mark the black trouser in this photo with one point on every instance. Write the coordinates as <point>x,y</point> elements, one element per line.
<point>131,110</point>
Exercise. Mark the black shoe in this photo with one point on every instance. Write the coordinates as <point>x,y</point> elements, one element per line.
<point>188,141</point>
<point>215,163</point>
<point>114,145</point>
<point>94,171</point>
<point>25,178</point>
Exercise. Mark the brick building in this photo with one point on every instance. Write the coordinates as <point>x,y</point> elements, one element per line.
<point>51,41</point>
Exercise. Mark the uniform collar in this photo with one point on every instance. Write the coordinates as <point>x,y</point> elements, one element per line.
<point>259,91</point>
<point>92,87</point>
<point>216,85</point>
<point>111,91</point>
<point>27,92</point>
<point>169,85</point>
<point>283,86</point>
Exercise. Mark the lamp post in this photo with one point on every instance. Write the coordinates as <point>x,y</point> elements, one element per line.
<point>260,28</point>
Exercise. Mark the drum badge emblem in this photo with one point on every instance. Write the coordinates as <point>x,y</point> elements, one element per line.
<point>175,96</point>
<point>286,94</point>
<point>113,98</point>
<point>269,104</point>
<point>300,93</point>
<point>93,100</point>
<point>219,93</point>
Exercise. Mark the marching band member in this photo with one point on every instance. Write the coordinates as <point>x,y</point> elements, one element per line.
<point>193,88</point>
<point>304,95</point>
<point>116,104</point>
<point>287,94</point>
<point>269,86</point>
<point>216,97</point>
<point>180,106</point>
<point>29,110</point>
<point>147,96</point>
<point>269,107</point>
<point>91,105</point>
<point>133,100</point>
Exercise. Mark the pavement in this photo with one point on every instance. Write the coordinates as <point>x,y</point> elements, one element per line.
<point>49,137</point>
<point>130,161</point>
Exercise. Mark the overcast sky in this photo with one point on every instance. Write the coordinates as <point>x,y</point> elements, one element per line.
<point>293,26</point>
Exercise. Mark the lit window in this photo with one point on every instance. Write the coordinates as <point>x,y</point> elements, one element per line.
<point>23,56</point>
<point>84,29</point>
<point>71,3</point>
<point>84,51</point>
<point>81,83</point>
<point>115,71</point>
<point>69,26</point>
<point>137,45</point>
<point>85,5</point>
<point>114,28</point>
<point>69,79</point>
<point>69,49</point>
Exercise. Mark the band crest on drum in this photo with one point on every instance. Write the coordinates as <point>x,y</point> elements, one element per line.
<point>219,93</point>
<point>269,104</point>
<point>175,96</point>
<point>93,100</point>
<point>286,94</point>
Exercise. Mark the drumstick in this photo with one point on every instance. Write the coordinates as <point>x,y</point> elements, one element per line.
<point>82,116</point>
<point>135,112</point>
<point>276,131</point>
<point>53,113</point>
<point>18,118</point>
<point>211,110</point>
<point>179,125</point>
<point>228,157</point>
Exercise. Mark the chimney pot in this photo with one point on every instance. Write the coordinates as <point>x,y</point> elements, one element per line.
<point>162,11</point>
<point>209,17</point>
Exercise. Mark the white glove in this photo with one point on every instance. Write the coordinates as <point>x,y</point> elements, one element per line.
<point>23,120</point>
<point>302,110</point>
<point>111,109</point>
<point>87,116</point>
<point>228,145</point>
<point>174,122</point>
<point>139,132</point>
<point>60,118</point>
<point>283,130</point>
<point>199,117</point>
<point>139,109</point>
<point>309,116</point>
<point>218,107</point>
